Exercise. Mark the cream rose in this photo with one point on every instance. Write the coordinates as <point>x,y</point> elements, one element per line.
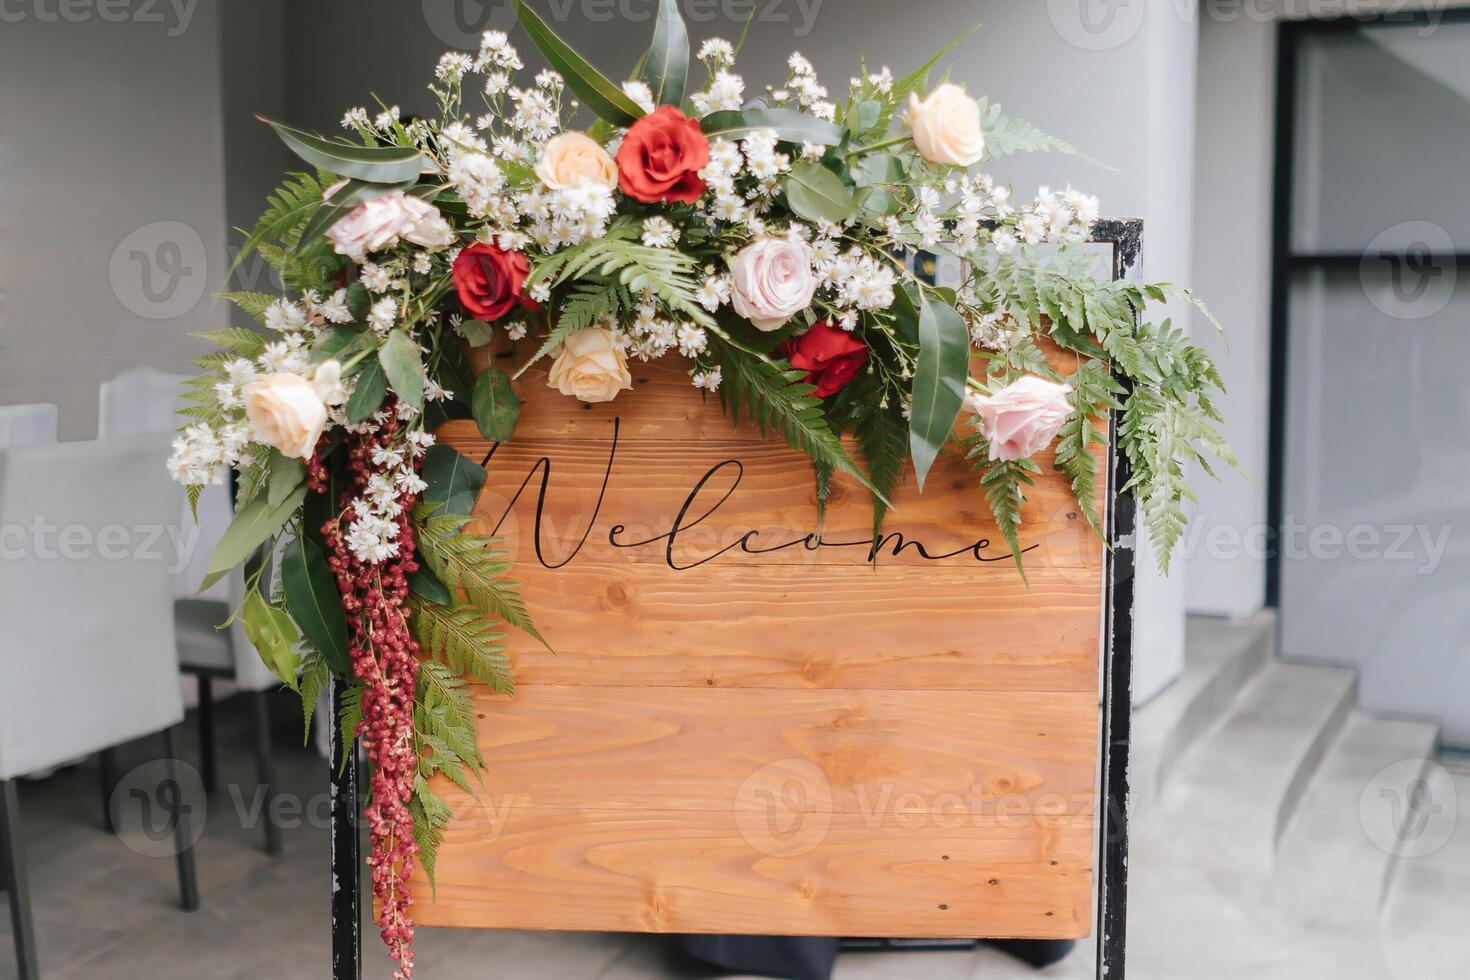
<point>773,281</point>
<point>572,158</point>
<point>946,126</point>
<point>590,367</point>
<point>286,412</point>
<point>1022,418</point>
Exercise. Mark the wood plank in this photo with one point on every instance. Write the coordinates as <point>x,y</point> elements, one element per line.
<point>730,501</point>
<point>650,748</point>
<point>818,627</point>
<point>666,872</point>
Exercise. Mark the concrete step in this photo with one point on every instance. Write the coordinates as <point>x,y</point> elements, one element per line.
<point>1220,658</point>
<point>1336,855</point>
<point>1232,794</point>
<point>1426,915</point>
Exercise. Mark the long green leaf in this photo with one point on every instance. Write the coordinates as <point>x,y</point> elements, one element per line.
<point>313,601</point>
<point>789,125</point>
<point>404,367</point>
<point>255,522</point>
<point>285,474</point>
<point>454,480</point>
<point>495,405</point>
<point>939,380</point>
<point>376,164</point>
<point>667,68</point>
<point>595,89</point>
<point>274,636</point>
<point>816,193</point>
<point>367,392</point>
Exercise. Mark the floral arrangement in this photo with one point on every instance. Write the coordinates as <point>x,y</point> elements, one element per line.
<point>760,239</point>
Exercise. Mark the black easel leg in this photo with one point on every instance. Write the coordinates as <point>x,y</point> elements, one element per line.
<point>206,732</point>
<point>15,883</point>
<point>108,765</point>
<point>346,852</point>
<point>183,827</point>
<point>266,767</point>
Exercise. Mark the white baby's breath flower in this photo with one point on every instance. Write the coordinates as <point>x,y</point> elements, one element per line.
<point>383,314</point>
<point>717,50</point>
<point>422,263</point>
<point>375,277</point>
<point>659,232</point>
<point>640,93</point>
<point>707,380</point>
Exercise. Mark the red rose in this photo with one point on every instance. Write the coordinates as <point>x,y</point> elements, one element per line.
<point>491,281</point>
<point>661,157</point>
<point>830,357</point>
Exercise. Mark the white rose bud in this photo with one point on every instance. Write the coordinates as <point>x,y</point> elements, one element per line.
<point>946,126</point>
<point>286,412</point>
<point>590,367</point>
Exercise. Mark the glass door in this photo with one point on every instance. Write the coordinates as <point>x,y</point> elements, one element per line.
<point>1372,465</point>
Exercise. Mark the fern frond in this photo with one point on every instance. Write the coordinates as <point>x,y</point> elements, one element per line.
<point>315,675</point>
<point>1093,393</point>
<point>778,399</point>
<point>238,341</point>
<point>288,208</point>
<point>474,565</point>
<point>883,437</point>
<point>254,304</point>
<point>351,716</point>
<point>464,640</point>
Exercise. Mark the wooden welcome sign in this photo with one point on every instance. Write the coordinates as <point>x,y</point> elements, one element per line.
<point>755,725</point>
<point>748,727</point>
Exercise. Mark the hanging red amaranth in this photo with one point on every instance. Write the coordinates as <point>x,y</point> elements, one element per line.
<point>385,661</point>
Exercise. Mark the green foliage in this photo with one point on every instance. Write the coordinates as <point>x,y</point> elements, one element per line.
<point>287,210</point>
<point>464,640</point>
<point>473,565</point>
<point>1004,483</point>
<point>254,304</point>
<point>1005,135</point>
<point>496,407</point>
<point>818,194</point>
<point>777,398</point>
<point>316,676</point>
<point>883,436</point>
<point>595,90</point>
<point>667,273</point>
<point>236,340</point>
<point>1094,392</point>
<point>350,714</point>
<point>939,379</point>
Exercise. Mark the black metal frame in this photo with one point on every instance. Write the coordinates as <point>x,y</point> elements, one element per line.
<point>1126,238</point>
<point>1285,261</point>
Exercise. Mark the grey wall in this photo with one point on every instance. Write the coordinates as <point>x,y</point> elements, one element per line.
<point>111,159</point>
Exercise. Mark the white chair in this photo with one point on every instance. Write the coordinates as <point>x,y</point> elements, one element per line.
<point>87,652</point>
<point>27,425</point>
<point>146,400</point>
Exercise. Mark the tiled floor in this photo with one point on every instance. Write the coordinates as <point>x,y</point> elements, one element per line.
<point>103,911</point>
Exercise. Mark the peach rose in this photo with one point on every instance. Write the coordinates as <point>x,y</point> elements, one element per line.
<point>590,367</point>
<point>1022,418</point>
<point>573,158</point>
<point>773,281</point>
<point>946,126</point>
<point>286,412</point>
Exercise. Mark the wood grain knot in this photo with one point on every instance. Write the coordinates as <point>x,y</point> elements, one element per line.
<point>617,596</point>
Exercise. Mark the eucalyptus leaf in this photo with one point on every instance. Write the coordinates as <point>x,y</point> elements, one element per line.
<point>789,125</point>
<point>667,67</point>
<point>376,164</point>
<point>454,480</point>
<point>340,343</point>
<point>595,89</point>
<point>878,168</point>
<point>254,523</point>
<point>496,406</point>
<point>404,368</point>
<point>368,392</point>
<point>816,193</point>
<point>939,380</point>
<point>285,475</point>
<point>312,598</point>
<point>477,332</point>
<point>876,200</point>
<point>274,636</point>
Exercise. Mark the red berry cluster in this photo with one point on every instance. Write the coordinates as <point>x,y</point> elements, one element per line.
<point>385,660</point>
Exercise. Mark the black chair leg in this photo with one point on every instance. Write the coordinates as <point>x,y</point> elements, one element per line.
<point>15,883</point>
<point>266,767</point>
<point>108,759</point>
<point>206,732</point>
<point>183,830</point>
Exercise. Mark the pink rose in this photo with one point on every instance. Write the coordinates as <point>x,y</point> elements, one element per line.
<point>1022,418</point>
<point>773,281</point>
<point>378,224</point>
